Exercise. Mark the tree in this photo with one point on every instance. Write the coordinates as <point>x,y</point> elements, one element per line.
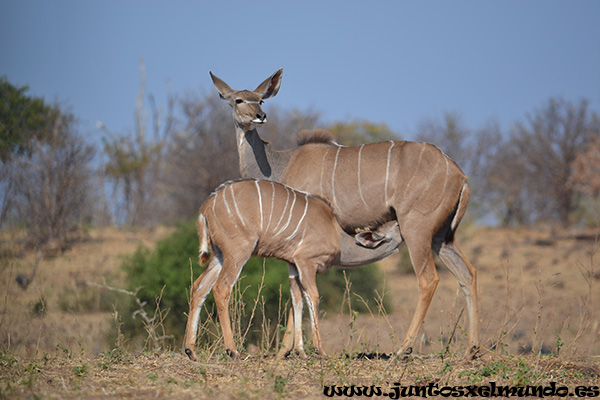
<point>135,162</point>
<point>505,188</point>
<point>547,143</point>
<point>49,185</point>
<point>585,176</point>
<point>22,119</point>
<point>585,180</point>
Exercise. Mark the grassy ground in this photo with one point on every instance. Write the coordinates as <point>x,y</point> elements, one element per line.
<point>539,295</point>
<point>169,375</point>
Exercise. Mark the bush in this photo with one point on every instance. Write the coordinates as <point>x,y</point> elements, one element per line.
<point>366,286</point>
<point>167,270</point>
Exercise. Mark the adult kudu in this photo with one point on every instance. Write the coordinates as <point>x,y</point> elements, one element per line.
<point>415,184</point>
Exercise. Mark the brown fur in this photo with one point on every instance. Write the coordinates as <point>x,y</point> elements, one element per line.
<point>306,136</point>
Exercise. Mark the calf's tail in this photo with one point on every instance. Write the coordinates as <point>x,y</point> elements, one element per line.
<point>205,242</point>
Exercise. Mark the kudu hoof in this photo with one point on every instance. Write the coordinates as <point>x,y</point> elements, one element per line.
<point>473,353</point>
<point>321,355</point>
<point>292,353</point>
<point>233,354</point>
<point>190,353</point>
<point>403,354</point>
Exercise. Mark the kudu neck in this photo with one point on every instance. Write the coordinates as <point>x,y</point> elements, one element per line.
<point>257,159</point>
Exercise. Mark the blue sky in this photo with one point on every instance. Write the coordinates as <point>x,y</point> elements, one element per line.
<point>397,62</point>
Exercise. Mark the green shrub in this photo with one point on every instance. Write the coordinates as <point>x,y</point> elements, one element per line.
<point>167,270</point>
<point>366,285</point>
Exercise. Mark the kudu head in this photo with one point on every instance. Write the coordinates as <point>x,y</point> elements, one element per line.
<point>246,103</point>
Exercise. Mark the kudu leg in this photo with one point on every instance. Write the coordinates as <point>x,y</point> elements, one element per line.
<point>201,288</point>
<point>466,275</point>
<point>421,256</point>
<point>288,341</point>
<point>292,338</point>
<point>222,294</point>
<point>309,288</point>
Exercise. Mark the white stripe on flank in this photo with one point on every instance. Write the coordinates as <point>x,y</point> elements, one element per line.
<point>333,178</point>
<point>387,172</point>
<point>322,168</point>
<point>260,204</point>
<point>284,207</point>
<point>416,168</point>
<point>272,206</point>
<point>236,206</point>
<point>302,238</point>
<point>446,177</point>
<point>359,180</point>
<point>447,171</point>
<point>301,219</point>
<point>213,205</point>
<point>290,218</point>
<point>215,213</point>
<point>227,207</point>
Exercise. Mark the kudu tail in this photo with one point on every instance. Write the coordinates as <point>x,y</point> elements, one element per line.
<point>205,242</point>
<point>461,209</point>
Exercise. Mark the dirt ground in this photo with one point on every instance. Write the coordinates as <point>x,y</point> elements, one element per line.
<point>539,294</point>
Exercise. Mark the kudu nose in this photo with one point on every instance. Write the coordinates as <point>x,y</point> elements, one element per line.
<point>261,116</point>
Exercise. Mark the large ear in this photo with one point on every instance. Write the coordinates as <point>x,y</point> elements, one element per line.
<point>270,86</point>
<point>223,88</point>
<point>370,239</point>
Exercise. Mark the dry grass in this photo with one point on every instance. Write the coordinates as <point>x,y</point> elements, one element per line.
<point>539,293</point>
<point>171,375</point>
<point>534,287</point>
<point>55,308</point>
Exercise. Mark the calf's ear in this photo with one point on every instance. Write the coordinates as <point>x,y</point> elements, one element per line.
<point>369,239</point>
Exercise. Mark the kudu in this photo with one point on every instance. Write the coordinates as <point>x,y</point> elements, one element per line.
<point>268,219</point>
<point>415,184</point>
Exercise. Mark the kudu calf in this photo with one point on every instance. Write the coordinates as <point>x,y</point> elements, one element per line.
<point>268,219</point>
<point>415,184</point>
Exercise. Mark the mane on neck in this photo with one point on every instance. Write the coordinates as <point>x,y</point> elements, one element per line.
<point>314,136</point>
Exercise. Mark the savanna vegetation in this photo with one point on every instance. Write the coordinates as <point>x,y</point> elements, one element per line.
<point>98,250</point>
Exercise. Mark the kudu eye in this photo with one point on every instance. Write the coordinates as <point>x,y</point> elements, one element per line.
<point>261,102</point>
<point>239,101</point>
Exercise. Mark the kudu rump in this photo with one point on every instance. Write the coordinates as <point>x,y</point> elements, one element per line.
<point>269,219</point>
<point>415,184</point>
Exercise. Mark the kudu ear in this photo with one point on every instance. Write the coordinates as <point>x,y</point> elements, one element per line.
<point>270,86</point>
<point>369,239</point>
<point>223,88</point>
